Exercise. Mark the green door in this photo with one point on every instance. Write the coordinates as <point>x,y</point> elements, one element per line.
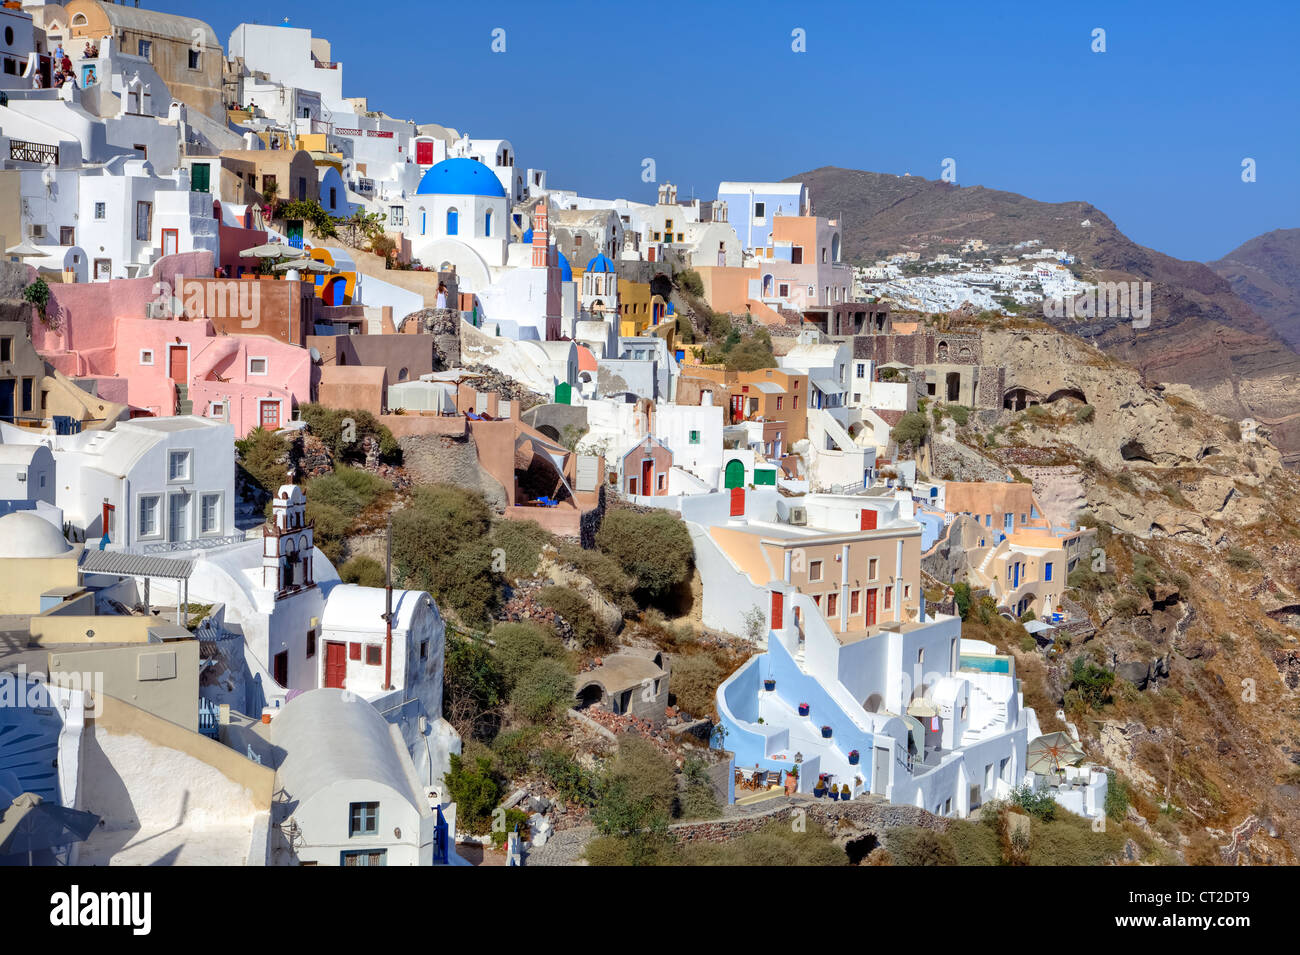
<point>200,177</point>
<point>734,476</point>
<point>563,393</point>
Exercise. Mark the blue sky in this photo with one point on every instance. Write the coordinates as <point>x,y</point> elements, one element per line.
<point>1153,131</point>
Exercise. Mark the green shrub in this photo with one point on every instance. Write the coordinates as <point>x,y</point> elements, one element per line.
<point>573,608</point>
<point>346,442</point>
<point>441,544</point>
<point>697,800</point>
<point>694,683</point>
<point>637,791</point>
<point>776,844</point>
<point>914,846</point>
<point>1093,683</point>
<point>363,570</point>
<point>473,687</point>
<point>520,645</point>
<point>959,414</point>
<point>1085,414</point>
<point>350,490</point>
<point>1241,558</point>
<point>1127,605</point>
<point>690,280</point>
<point>263,455</point>
<point>1038,804</point>
<point>476,790</point>
<point>910,430</point>
<point>603,571</point>
<point>1118,797</point>
<point>977,843</point>
<point>543,691</point>
<point>961,596</point>
<point>516,750</point>
<point>38,294</point>
<point>572,783</point>
<point>655,549</point>
<point>522,542</point>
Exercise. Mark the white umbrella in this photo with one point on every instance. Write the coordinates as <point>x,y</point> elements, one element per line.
<point>271,250</point>
<point>27,249</point>
<point>307,265</point>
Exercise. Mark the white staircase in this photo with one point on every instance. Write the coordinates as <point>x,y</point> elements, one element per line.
<point>996,723</point>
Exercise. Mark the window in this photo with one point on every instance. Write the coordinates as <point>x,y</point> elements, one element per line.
<point>334,197</point>
<point>29,390</point>
<point>815,570</point>
<point>178,465</point>
<point>695,437</point>
<point>6,349</point>
<point>374,655</point>
<point>855,601</point>
<point>907,591</point>
<point>366,858</point>
<point>147,525</point>
<point>302,188</point>
<point>487,224</point>
<point>760,211</point>
<point>194,59</point>
<point>143,220</point>
<point>146,356</point>
<point>795,402</point>
<point>144,48</point>
<point>862,369</point>
<point>256,366</point>
<point>363,819</point>
<point>424,649</point>
<point>1047,571</point>
<point>889,598</point>
<point>783,290</point>
<point>210,515</point>
<point>217,409</point>
<point>311,642</point>
<point>779,401</point>
<point>832,604</point>
<point>395,215</point>
<point>920,655</point>
<point>453,222</point>
<point>873,567</point>
<point>67,235</point>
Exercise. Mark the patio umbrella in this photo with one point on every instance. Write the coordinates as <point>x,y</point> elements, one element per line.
<point>1047,754</point>
<point>271,250</point>
<point>26,249</point>
<point>30,824</point>
<point>304,265</point>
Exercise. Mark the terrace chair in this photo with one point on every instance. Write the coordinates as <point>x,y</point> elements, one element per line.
<point>760,779</point>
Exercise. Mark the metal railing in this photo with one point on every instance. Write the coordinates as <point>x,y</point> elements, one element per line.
<point>20,150</point>
<point>201,543</point>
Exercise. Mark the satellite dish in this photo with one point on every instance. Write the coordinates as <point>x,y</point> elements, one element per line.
<point>315,356</point>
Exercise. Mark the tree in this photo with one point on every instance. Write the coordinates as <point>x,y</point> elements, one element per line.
<point>441,544</point>
<point>655,549</point>
<point>263,455</point>
<point>911,430</point>
<point>473,687</point>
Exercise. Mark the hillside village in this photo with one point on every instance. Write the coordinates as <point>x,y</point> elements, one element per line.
<point>369,499</point>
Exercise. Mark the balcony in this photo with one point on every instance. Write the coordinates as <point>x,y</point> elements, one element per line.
<point>20,150</point>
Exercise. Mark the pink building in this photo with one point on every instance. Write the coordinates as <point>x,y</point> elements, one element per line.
<point>101,332</point>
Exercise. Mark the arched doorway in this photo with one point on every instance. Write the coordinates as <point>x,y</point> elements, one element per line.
<point>734,476</point>
<point>335,289</point>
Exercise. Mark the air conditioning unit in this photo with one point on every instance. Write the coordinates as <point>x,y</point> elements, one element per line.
<point>799,516</point>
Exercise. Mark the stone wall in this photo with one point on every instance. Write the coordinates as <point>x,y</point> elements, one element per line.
<point>432,459</point>
<point>871,814</point>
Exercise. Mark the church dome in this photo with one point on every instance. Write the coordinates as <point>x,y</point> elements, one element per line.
<point>566,270</point>
<point>600,263</point>
<point>460,177</point>
<point>23,534</point>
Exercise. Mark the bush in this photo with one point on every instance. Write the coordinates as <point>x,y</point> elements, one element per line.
<point>476,790</point>
<point>543,692</point>
<point>690,280</point>
<point>913,846</point>
<point>522,541</point>
<point>573,608</point>
<point>519,646</point>
<point>350,490</point>
<point>694,681</point>
<point>516,749</point>
<point>264,457</point>
<point>910,430</point>
<point>1127,606</point>
<point>961,596</point>
<point>38,294</point>
<point>750,353</point>
<point>473,687</point>
<point>1085,414</point>
<point>776,844</point>
<point>346,442</point>
<point>1118,797</point>
<point>637,792</point>
<point>1241,558</point>
<point>977,843</point>
<point>959,414</point>
<point>1084,578</point>
<point>440,544</point>
<point>572,783</point>
<point>1093,683</point>
<point>363,570</point>
<point>655,549</point>
<point>697,799</point>
<point>1039,804</point>
<point>603,571</point>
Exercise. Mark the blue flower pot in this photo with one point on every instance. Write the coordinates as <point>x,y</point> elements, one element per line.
<point>853,758</point>
<point>769,685</point>
<point>835,794</point>
<point>803,709</point>
<point>819,793</point>
<point>826,732</point>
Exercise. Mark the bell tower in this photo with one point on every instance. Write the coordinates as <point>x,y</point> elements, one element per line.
<point>287,544</point>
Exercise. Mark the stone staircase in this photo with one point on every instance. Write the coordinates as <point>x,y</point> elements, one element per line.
<point>183,403</point>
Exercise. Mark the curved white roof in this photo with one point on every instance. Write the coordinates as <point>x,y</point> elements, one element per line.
<point>353,607</point>
<point>329,736</point>
<point>23,534</point>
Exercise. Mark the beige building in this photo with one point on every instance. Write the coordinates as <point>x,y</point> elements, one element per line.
<point>183,51</point>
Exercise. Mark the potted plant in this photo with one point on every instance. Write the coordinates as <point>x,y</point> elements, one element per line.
<point>803,709</point>
<point>853,757</point>
<point>769,684</point>
<point>826,732</point>
<point>845,793</point>
<point>820,789</point>
<point>835,792</point>
<point>791,780</point>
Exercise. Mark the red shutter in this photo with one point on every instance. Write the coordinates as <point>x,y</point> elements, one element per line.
<point>354,650</point>
<point>737,502</point>
<point>778,610</point>
<point>868,519</point>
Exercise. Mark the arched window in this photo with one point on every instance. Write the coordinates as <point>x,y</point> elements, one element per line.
<point>79,20</point>
<point>453,222</point>
<point>487,224</point>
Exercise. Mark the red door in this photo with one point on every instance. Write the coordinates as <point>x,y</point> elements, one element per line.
<point>778,610</point>
<point>424,153</point>
<point>178,359</point>
<point>868,520</point>
<point>270,415</point>
<point>871,606</point>
<point>647,477</point>
<point>737,502</point>
<point>336,664</point>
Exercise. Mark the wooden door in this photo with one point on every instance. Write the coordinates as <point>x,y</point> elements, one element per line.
<point>871,606</point>
<point>281,668</point>
<point>737,502</point>
<point>778,610</point>
<point>647,476</point>
<point>178,360</point>
<point>336,665</point>
<point>270,416</point>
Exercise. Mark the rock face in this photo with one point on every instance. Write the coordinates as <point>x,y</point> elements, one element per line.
<point>1265,274</point>
<point>433,459</point>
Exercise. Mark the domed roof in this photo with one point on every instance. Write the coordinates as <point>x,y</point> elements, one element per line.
<point>460,177</point>
<point>600,263</point>
<point>566,270</point>
<point>528,237</point>
<point>23,534</point>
